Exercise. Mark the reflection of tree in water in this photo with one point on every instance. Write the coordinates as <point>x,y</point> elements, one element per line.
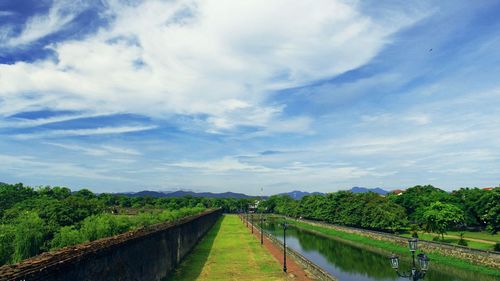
<point>346,257</point>
<point>351,259</point>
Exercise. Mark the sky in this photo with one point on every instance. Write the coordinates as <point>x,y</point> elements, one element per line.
<point>223,95</point>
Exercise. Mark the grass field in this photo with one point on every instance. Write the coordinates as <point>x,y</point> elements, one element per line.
<point>453,239</point>
<point>229,252</point>
<point>482,235</point>
<point>395,248</point>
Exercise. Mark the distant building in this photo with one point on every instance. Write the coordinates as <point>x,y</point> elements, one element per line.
<point>398,191</point>
<point>488,188</point>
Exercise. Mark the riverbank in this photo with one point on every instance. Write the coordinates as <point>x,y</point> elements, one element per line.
<point>393,247</point>
<point>229,252</point>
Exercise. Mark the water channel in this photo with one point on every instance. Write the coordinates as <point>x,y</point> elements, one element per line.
<point>357,263</point>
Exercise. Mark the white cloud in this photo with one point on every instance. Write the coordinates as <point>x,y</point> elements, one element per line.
<point>6,13</point>
<point>85,132</point>
<point>99,150</point>
<point>194,57</point>
<point>61,13</point>
<point>26,123</point>
<point>27,166</point>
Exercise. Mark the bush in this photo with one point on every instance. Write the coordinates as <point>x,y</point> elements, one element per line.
<point>496,247</point>
<point>7,235</point>
<point>29,236</point>
<point>462,242</point>
<point>66,236</point>
<point>100,226</point>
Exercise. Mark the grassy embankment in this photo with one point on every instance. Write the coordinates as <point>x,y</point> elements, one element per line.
<point>395,248</point>
<point>228,252</point>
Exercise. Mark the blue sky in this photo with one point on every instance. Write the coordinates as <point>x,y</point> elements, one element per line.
<point>237,95</point>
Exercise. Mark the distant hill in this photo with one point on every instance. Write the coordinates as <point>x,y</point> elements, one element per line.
<point>181,193</point>
<point>297,195</point>
<point>378,190</point>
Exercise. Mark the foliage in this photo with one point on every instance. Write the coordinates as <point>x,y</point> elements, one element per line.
<point>416,198</point>
<point>7,234</point>
<point>36,220</point>
<point>439,217</point>
<point>29,234</point>
<point>366,210</point>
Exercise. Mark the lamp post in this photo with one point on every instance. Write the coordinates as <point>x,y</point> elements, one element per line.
<point>414,274</point>
<point>261,231</point>
<point>285,226</point>
<point>251,218</point>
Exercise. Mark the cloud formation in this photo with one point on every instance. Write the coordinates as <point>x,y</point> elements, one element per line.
<point>158,58</point>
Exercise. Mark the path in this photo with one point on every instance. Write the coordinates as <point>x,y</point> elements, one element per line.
<point>294,271</point>
<point>228,252</point>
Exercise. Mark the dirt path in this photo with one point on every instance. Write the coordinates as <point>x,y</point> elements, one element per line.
<point>294,271</point>
<point>470,239</point>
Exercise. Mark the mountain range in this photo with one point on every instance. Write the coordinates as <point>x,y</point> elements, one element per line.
<point>378,190</point>
<point>181,193</point>
<point>296,194</point>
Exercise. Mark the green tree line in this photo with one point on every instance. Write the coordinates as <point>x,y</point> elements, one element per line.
<point>35,220</point>
<point>419,207</point>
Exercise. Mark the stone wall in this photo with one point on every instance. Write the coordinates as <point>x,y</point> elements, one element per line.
<point>481,257</point>
<point>145,254</point>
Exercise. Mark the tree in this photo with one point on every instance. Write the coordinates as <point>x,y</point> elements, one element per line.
<point>439,217</point>
<point>29,236</point>
<point>491,210</point>
<point>417,198</point>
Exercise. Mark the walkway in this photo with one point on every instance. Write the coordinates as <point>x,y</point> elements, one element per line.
<point>229,252</point>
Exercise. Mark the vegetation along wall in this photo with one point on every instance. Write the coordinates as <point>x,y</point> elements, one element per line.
<point>144,254</point>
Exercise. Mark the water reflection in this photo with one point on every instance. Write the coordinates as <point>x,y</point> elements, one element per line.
<point>351,263</point>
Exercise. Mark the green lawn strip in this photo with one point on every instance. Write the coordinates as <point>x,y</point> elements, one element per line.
<point>229,252</point>
<point>477,235</point>
<point>453,240</point>
<point>395,248</point>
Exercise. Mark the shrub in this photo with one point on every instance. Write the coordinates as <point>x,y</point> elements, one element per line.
<point>66,236</point>
<point>100,226</point>
<point>462,242</point>
<point>29,236</point>
<point>7,235</point>
<point>496,247</point>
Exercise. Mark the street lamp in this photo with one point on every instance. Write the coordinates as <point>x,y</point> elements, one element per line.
<point>415,274</point>
<point>261,230</point>
<point>285,226</point>
<point>251,218</point>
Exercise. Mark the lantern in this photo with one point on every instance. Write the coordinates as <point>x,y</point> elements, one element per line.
<point>394,261</point>
<point>423,260</point>
<point>412,244</point>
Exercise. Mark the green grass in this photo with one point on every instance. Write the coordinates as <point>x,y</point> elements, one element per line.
<point>483,235</point>
<point>454,240</point>
<point>228,252</point>
<point>395,248</point>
